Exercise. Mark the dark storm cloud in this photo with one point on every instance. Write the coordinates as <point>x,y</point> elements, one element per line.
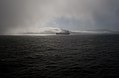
<point>31,15</point>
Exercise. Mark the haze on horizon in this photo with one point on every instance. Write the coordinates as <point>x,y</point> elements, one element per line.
<point>22,16</point>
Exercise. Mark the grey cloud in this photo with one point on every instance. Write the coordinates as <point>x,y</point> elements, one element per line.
<point>10,14</point>
<point>31,15</point>
<point>107,15</point>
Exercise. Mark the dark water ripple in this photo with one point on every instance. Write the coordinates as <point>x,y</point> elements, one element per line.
<point>84,56</point>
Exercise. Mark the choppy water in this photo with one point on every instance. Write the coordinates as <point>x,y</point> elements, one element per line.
<point>84,56</point>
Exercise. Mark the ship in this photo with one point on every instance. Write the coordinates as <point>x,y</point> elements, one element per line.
<point>63,33</point>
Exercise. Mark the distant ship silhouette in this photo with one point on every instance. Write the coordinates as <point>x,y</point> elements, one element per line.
<point>65,32</point>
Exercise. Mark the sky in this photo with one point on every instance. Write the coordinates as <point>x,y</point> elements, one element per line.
<point>22,16</point>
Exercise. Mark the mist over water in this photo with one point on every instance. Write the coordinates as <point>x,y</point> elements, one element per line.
<point>75,56</point>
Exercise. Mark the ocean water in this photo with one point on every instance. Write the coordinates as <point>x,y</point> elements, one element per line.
<point>76,56</point>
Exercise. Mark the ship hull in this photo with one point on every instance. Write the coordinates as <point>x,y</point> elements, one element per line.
<point>62,33</point>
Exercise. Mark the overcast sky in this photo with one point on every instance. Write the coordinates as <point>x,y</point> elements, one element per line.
<point>18,16</point>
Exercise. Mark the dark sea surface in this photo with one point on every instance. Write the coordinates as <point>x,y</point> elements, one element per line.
<point>76,56</point>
